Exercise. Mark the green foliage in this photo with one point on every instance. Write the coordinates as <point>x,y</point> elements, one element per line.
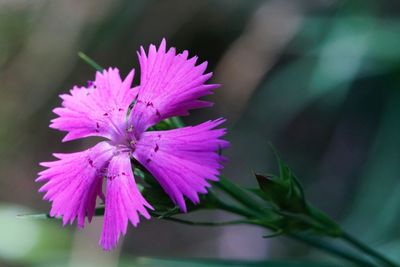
<point>284,194</point>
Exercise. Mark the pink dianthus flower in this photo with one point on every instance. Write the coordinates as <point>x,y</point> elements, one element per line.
<point>182,160</point>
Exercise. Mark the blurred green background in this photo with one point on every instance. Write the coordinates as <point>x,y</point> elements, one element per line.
<point>317,78</point>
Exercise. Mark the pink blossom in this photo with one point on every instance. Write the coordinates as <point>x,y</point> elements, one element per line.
<point>182,160</point>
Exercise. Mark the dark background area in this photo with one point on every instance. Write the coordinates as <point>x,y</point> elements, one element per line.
<point>318,78</point>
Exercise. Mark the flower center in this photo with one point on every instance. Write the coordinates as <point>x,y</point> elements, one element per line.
<point>131,138</point>
<point>132,144</point>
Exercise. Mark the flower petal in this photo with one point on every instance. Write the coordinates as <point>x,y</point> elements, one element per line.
<point>170,85</point>
<point>99,110</point>
<point>74,181</point>
<point>183,159</point>
<point>123,201</point>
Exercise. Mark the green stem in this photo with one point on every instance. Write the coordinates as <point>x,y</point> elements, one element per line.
<point>336,251</point>
<point>173,219</point>
<point>312,242</point>
<point>323,246</point>
<point>368,250</point>
<point>237,193</point>
<point>233,209</point>
<point>254,211</point>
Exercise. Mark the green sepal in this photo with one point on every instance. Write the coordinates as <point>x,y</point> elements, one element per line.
<point>281,193</point>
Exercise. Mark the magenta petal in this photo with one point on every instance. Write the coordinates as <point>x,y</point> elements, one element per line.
<point>99,110</point>
<point>73,182</point>
<point>123,201</point>
<point>170,85</point>
<point>183,159</point>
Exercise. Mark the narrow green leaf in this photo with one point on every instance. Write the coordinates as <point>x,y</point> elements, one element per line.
<point>188,222</point>
<point>34,216</point>
<point>275,234</point>
<point>281,165</point>
<point>90,61</point>
<point>238,193</point>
